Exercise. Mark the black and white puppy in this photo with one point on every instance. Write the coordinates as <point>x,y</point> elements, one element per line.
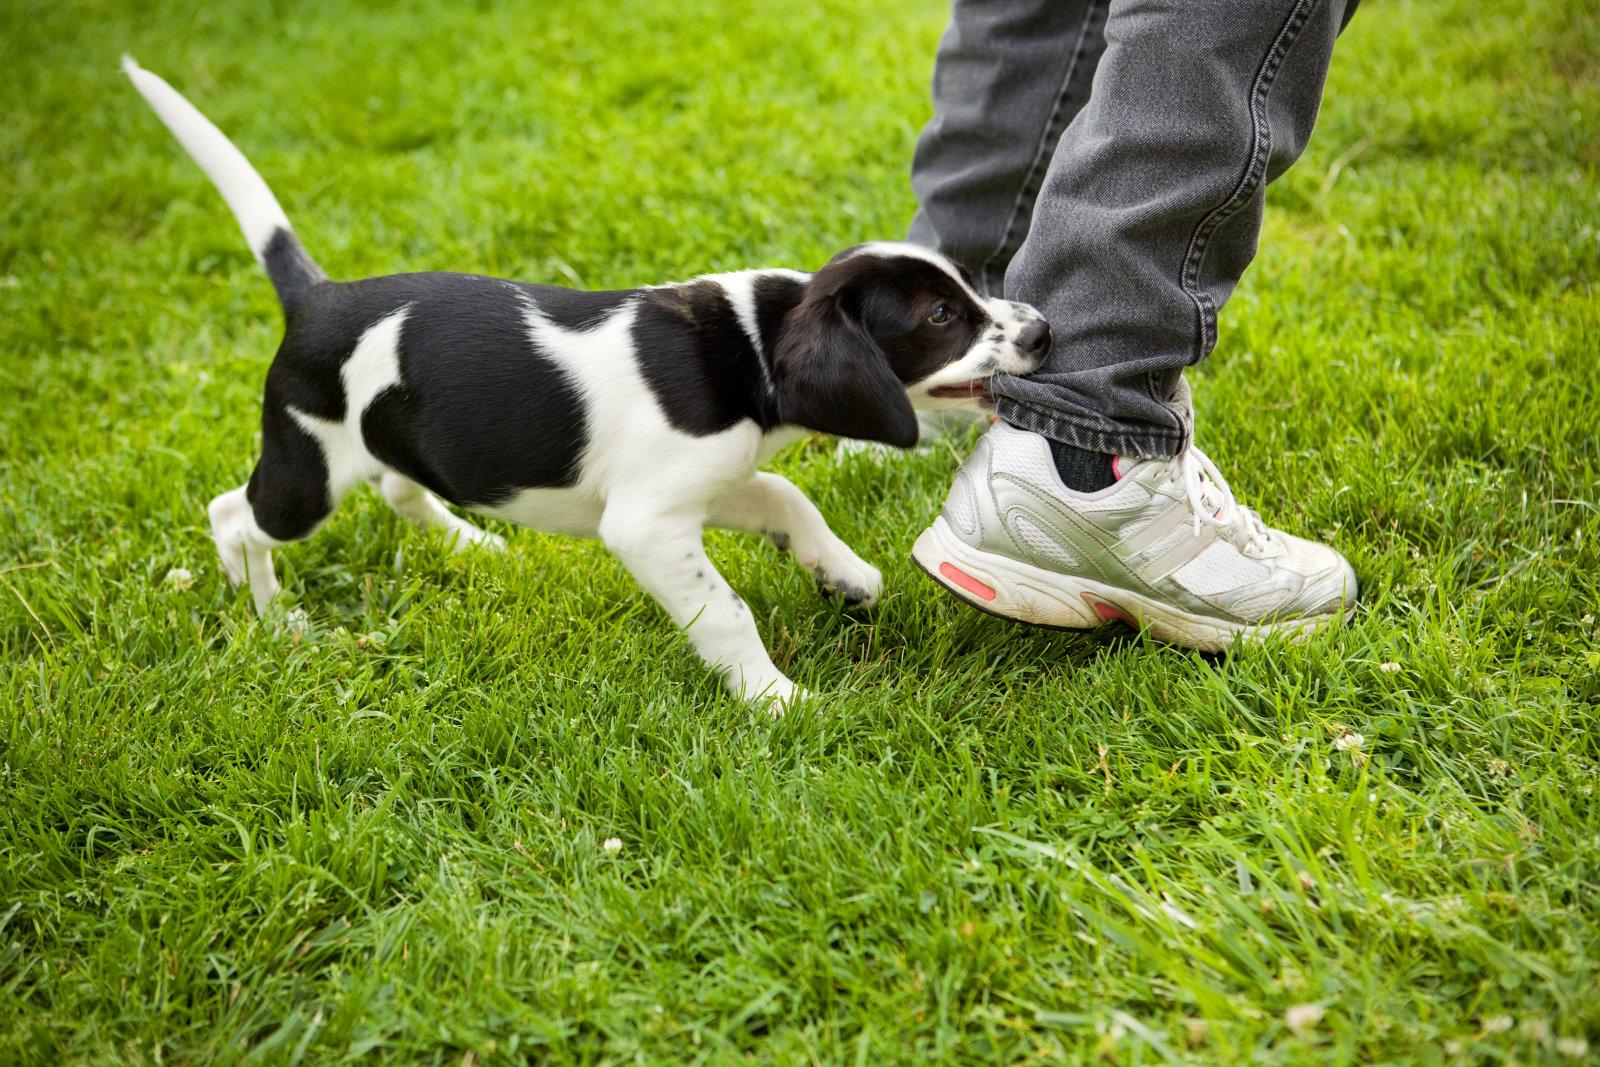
<point>637,416</point>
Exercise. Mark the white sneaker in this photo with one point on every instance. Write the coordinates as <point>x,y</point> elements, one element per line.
<point>1166,547</point>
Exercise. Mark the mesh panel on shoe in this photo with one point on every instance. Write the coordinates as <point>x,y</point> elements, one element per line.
<point>1026,457</point>
<point>1218,569</point>
<point>1023,455</point>
<point>961,506</point>
<point>1037,540</point>
<point>1307,556</point>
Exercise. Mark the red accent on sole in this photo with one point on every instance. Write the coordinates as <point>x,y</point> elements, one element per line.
<point>1116,467</point>
<point>1110,612</point>
<point>966,581</point>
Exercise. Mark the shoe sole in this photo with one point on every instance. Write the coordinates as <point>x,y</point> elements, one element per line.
<point>1011,589</point>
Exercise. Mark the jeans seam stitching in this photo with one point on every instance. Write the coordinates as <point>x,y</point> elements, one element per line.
<point>1028,192</point>
<point>1255,169</point>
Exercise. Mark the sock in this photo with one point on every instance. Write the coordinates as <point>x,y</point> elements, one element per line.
<point>1082,471</point>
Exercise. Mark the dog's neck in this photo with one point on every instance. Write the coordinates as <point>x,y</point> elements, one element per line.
<point>735,320</point>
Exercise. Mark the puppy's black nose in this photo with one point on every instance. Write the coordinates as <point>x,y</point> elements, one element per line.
<point>1034,340</point>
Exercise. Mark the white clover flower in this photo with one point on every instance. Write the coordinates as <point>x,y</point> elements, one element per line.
<point>180,578</point>
<point>1573,1048</point>
<point>1349,741</point>
<point>1304,1017</point>
<point>1389,668</point>
<point>297,623</point>
<point>612,845</point>
<point>1497,1024</point>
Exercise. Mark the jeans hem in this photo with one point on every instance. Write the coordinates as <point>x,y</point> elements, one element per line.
<point>1093,436</point>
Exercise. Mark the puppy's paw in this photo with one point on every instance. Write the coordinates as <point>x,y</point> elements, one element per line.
<point>777,705</point>
<point>489,542</point>
<point>470,537</point>
<point>774,692</point>
<point>855,581</point>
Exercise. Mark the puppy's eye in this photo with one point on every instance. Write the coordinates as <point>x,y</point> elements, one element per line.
<point>941,315</point>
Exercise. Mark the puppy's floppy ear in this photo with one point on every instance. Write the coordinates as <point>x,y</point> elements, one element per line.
<point>832,376</point>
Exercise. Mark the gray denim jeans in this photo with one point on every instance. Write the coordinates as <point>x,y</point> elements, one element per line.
<point>1107,162</point>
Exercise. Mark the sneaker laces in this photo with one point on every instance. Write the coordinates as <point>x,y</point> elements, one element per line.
<point>1211,501</point>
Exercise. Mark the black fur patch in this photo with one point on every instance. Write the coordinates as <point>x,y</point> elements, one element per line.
<point>288,490</point>
<point>776,296</point>
<point>482,413</point>
<point>574,309</point>
<point>893,297</point>
<point>290,267</point>
<point>698,360</point>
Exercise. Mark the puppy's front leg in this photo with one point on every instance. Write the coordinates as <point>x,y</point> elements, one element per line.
<point>771,504</point>
<point>664,551</point>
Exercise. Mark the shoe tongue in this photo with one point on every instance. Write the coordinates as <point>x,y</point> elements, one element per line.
<point>1122,466</point>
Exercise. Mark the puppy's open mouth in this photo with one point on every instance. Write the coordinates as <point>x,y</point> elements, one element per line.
<point>977,389</point>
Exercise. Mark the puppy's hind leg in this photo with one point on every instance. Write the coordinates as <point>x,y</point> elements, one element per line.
<point>415,504</point>
<point>770,504</point>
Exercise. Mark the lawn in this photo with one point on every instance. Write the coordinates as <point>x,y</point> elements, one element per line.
<point>382,833</point>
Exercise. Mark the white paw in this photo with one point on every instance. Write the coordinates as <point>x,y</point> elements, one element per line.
<point>849,576</point>
<point>489,542</point>
<point>467,536</point>
<point>232,564</point>
<point>229,551</point>
<point>774,691</point>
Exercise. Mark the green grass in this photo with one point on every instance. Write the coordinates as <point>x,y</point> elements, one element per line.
<point>383,836</point>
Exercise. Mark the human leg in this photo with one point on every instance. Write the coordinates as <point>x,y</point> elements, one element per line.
<point>1146,215</point>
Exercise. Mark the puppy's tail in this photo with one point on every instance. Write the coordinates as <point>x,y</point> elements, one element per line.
<point>265,226</point>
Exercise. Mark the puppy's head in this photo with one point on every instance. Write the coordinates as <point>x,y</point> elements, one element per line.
<point>887,327</point>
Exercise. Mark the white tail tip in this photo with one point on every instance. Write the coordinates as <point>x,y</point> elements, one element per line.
<point>252,202</point>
